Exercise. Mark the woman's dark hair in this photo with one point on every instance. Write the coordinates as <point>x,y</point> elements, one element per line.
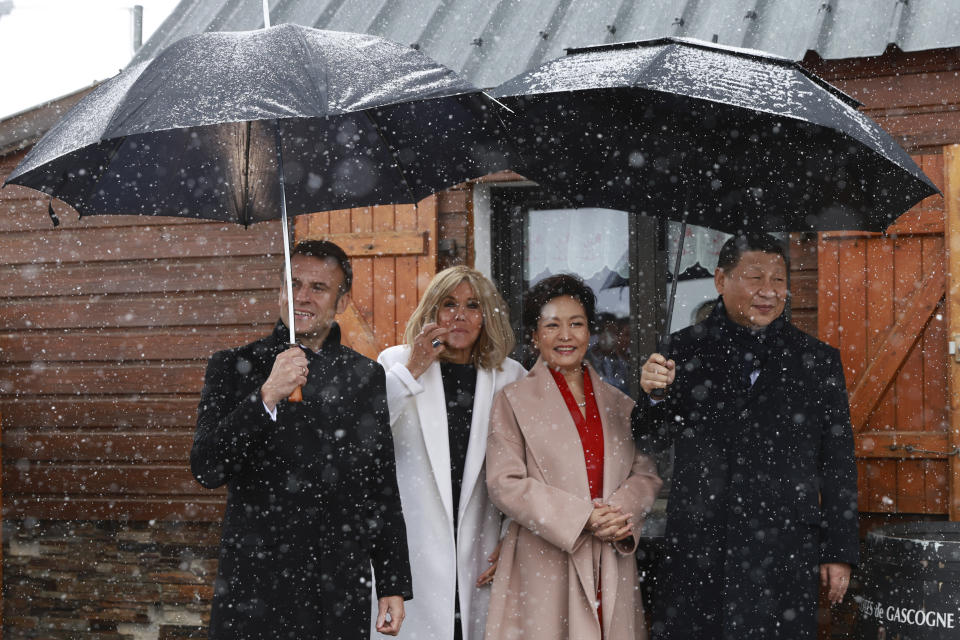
<point>735,247</point>
<point>562,284</point>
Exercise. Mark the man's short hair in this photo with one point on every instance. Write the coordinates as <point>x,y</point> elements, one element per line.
<point>324,249</point>
<point>735,247</point>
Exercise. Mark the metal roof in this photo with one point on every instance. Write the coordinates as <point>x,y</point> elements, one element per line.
<point>490,41</point>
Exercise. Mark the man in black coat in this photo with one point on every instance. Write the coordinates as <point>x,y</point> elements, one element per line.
<point>763,500</point>
<point>312,497</point>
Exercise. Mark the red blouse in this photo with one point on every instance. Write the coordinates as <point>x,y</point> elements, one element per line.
<point>590,429</point>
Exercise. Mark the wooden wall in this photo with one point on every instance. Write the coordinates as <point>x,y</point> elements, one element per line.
<point>392,250</point>
<point>803,281</point>
<point>881,304</point>
<point>913,96</point>
<point>105,328</point>
<point>106,324</point>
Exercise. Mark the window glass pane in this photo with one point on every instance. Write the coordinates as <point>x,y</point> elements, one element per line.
<point>696,292</point>
<point>593,244</point>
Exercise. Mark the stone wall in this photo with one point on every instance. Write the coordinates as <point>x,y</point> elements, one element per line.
<point>92,580</point>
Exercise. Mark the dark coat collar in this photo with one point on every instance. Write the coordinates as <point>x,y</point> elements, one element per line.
<point>720,321</point>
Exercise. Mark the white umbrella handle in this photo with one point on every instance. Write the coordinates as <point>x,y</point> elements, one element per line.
<point>266,13</point>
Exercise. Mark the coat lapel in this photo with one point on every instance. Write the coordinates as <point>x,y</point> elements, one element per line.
<point>479,426</point>
<point>431,408</point>
<point>554,444</point>
<point>550,433</point>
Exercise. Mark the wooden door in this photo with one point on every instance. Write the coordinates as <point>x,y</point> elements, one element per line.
<point>393,251</point>
<point>881,302</point>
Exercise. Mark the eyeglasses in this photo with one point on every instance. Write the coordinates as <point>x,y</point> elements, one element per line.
<point>470,307</point>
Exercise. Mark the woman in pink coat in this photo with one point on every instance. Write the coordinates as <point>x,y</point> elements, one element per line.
<point>561,464</point>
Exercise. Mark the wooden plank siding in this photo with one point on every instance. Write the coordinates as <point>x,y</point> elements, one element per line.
<point>388,276</point>
<point>881,303</point>
<point>803,281</point>
<point>105,327</point>
<point>912,95</point>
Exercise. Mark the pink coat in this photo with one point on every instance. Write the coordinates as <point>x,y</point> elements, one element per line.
<point>546,581</point>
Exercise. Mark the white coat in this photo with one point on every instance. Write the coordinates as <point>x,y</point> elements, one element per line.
<point>418,419</point>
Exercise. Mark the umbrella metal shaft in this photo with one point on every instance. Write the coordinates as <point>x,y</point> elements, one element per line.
<point>665,339</point>
<point>288,274</point>
<point>676,276</point>
<point>297,395</point>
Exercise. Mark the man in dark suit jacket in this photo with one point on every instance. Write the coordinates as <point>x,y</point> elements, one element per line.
<point>763,500</point>
<point>312,495</point>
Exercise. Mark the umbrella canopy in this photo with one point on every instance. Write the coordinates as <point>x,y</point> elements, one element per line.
<point>721,137</point>
<point>194,132</point>
<point>251,126</point>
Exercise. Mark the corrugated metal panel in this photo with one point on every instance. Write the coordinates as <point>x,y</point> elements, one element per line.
<point>857,29</point>
<point>782,29</point>
<point>490,41</point>
<point>930,25</point>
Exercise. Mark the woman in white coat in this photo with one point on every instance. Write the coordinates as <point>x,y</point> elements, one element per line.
<point>440,387</point>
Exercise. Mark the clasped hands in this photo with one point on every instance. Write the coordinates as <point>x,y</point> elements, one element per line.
<point>608,523</point>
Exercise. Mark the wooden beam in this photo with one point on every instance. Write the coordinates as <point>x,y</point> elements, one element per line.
<point>951,192</point>
<point>383,243</point>
<point>892,351</point>
<point>919,220</point>
<point>922,219</point>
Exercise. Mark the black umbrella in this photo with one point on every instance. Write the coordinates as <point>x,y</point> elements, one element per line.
<point>246,126</point>
<point>721,137</point>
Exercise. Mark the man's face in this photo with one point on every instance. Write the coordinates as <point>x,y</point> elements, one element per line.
<point>316,288</point>
<point>755,290</point>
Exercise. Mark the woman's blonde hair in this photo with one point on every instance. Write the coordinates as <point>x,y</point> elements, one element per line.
<point>496,339</point>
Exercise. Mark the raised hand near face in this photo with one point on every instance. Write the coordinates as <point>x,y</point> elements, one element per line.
<point>426,347</point>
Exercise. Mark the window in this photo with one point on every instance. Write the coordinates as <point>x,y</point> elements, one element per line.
<point>534,236</point>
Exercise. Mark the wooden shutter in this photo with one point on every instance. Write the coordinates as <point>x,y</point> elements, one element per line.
<point>392,249</point>
<point>881,302</point>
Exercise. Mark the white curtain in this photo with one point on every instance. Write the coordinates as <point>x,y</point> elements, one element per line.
<point>701,245</point>
<point>589,242</point>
